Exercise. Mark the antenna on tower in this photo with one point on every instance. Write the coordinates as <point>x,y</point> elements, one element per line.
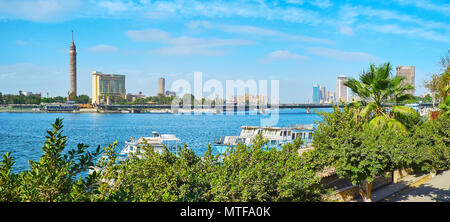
<point>72,35</point>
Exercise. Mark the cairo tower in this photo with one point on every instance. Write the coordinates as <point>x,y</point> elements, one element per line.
<point>73,68</point>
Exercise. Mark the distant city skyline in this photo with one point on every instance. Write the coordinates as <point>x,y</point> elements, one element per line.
<point>299,43</point>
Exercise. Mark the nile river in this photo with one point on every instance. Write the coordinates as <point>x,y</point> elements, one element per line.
<point>23,134</point>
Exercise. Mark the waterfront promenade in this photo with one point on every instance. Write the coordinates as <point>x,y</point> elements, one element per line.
<point>436,189</point>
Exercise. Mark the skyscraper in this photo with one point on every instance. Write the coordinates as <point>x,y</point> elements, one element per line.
<point>341,90</point>
<point>322,94</point>
<point>73,68</point>
<point>409,73</point>
<point>316,93</point>
<point>161,85</point>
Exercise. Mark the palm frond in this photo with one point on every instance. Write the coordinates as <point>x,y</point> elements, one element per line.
<point>396,126</point>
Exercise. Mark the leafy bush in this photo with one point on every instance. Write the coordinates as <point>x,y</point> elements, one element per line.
<point>359,150</point>
<point>432,143</point>
<point>54,177</point>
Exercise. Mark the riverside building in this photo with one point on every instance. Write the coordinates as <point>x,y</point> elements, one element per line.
<point>161,86</point>
<point>107,87</point>
<point>409,73</point>
<point>316,93</point>
<point>341,89</point>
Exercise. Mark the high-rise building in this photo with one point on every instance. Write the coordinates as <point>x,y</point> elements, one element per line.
<point>171,93</point>
<point>107,87</point>
<point>73,68</point>
<point>341,89</point>
<point>409,73</point>
<point>316,93</point>
<point>252,99</point>
<point>332,97</point>
<point>322,98</point>
<point>161,86</point>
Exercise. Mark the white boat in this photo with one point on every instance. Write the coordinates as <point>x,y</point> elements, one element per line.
<point>157,141</point>
<point>276,136</point>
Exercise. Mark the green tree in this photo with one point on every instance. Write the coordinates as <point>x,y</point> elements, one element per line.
<point>432,143</point>
<point>54,176</point>
<point>439,84</point>
<point>357,151</point>
<point>82,99</point>
<point>260,173</point>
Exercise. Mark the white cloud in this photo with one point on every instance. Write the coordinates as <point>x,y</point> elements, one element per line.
<point>199,24</point>
<point>346,30</point>
<point>149,35</point>
<point>184,45</point>
<point>284,54</point>
<point>242,9</point>
<point>427,5</point>
<point>20,42</point>
<point>393,15</point>
<point>409,31</point>
<point>114,6</point>
<point>37,78</point>
<point>255,31</point>
<point>102,48</point>
<point>317,3</point>
<point>321,3</point>
<point>343,55</point>
<point>39,11</point>
<point>404,24</point>
<point>297,2</point>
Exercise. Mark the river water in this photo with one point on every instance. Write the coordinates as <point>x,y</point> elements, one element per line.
<point>23,134</point>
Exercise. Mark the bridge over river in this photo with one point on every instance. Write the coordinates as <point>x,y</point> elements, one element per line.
<point>228,107</point>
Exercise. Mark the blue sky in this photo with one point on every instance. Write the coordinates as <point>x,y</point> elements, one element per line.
<point>297,42</point>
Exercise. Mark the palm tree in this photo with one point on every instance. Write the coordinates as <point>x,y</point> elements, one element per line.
<point>400,89</point>
<point>375,87</point>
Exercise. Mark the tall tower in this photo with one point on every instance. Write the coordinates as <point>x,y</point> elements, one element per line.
<point>73,68</point>
<point>316,93</point>
<point>161,85</point>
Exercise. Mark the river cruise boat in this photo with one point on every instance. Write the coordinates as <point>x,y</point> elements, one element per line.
<point>157,141</point>
<point>277,136</point>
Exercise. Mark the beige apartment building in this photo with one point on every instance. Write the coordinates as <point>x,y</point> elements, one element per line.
<point>161,86</point>
<point>409,73</point>
<point>106,87</point>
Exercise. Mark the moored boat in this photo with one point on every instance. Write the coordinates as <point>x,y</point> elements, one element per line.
<point>276,136</point>
<point>157,142</point>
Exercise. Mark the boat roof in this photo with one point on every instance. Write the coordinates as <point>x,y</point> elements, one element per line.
<point>156,139</point>
<point>296,127</point>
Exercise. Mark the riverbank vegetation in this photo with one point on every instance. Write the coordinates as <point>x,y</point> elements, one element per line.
<point>38,99</point>
<point>256,173</point>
